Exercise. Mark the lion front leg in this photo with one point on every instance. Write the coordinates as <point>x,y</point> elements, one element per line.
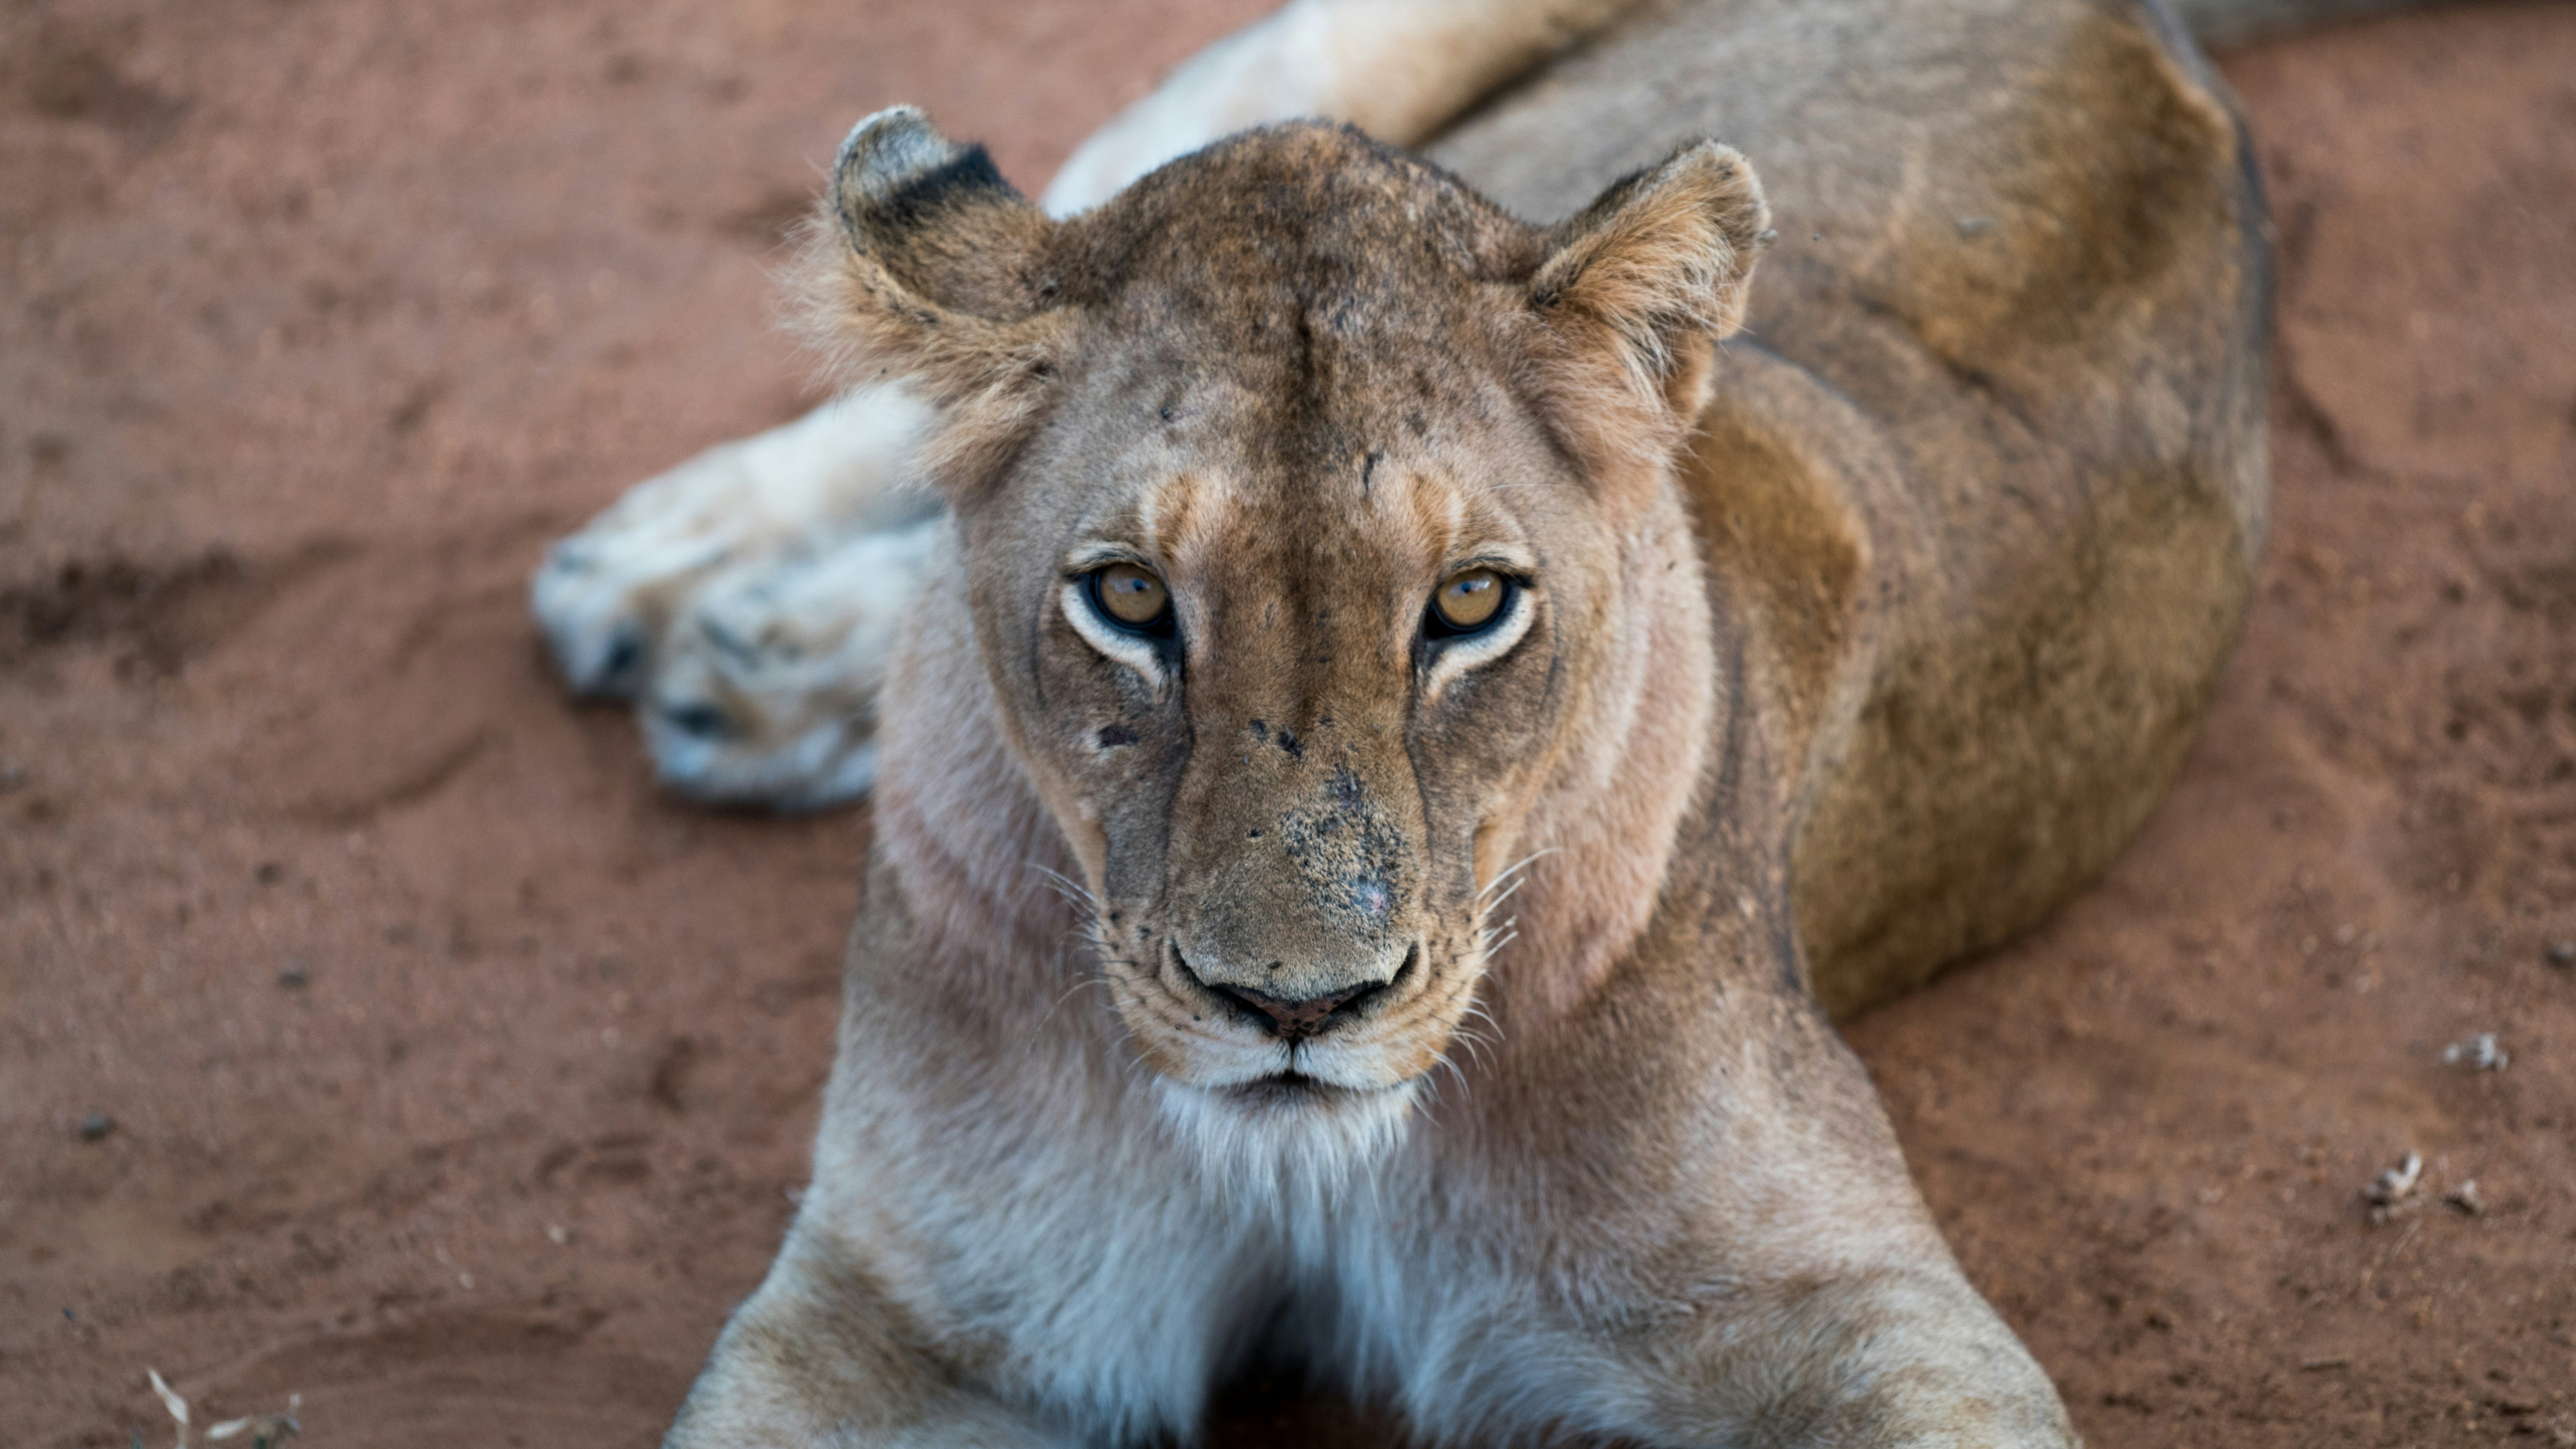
<point>1848,1356</point>
<point>1831,1312</point>
<point>1745,1262</point>
<point>814,1360</point>
<point>1861,1358</point>
<point>1827,1311</point>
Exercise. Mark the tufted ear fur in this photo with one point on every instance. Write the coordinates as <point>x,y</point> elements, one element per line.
<point>925,269</point>
<point>1637,291</point>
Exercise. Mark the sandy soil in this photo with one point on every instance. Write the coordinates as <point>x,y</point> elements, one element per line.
<point>435,1068</point>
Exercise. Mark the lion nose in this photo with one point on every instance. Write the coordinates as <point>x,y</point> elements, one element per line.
<point>1292,1018</point>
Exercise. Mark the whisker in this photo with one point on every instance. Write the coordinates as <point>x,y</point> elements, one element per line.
<point>1481,1014</point>
<point>1072,890</point>
<point>1475,1044</point>
<point>1037,1030</point>
<point>1463,1089</point>
<point>1497,902</point>
<point>1523,863</point>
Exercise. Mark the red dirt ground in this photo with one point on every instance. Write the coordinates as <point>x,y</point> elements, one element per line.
<point>459,1082</point>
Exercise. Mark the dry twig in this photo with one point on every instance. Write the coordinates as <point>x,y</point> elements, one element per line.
<point>266,1431</point>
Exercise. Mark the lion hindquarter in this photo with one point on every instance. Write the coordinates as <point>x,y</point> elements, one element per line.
<point>1984,480</point>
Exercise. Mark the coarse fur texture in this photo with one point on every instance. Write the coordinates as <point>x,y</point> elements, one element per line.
<point>1447,1011</point>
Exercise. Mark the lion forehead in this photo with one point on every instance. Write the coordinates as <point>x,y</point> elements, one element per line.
<point>1288,203</point>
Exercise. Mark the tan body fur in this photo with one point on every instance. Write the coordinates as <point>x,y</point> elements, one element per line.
<point>1846,648</point>
<point>1989,460</point>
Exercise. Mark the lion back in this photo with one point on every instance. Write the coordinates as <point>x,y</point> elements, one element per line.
<point>1984,482</point>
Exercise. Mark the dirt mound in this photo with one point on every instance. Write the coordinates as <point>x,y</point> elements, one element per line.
<point>370,1029</point>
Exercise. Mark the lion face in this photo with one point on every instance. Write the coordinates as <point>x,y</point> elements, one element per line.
<point>1290,673</point>
<point>1293,486</point>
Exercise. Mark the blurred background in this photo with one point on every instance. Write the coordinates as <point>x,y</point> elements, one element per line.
<point>371,1029</point>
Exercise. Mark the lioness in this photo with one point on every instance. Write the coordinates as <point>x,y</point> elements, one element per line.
<point>1393,742</point>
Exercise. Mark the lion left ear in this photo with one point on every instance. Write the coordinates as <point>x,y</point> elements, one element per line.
<point>927,271</point>
<point>1637,291</point>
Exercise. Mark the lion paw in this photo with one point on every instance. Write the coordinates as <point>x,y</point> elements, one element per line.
<point>765,691</point>
<point>605,596</point>
<point>601,595</point>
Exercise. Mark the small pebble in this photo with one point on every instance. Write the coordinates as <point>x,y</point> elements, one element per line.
<point>2478,1053</point>
<point>2392,1193</point>
<point>295,977</point>
<point>2562,953</point>
<point>2466,1198</point>
<point>95,1126</point>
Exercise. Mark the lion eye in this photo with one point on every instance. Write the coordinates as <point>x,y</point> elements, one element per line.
<point>1131,597</point>
<point>1468,600</point>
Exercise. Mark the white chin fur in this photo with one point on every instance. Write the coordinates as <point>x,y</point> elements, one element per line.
<point>1287,1155</point>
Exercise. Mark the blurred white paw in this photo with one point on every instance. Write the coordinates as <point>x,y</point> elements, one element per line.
<point>766,691</point>
<point>606,595</point>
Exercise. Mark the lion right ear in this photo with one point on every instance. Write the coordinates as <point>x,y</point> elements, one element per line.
<point>1637,291</point>
<point>926,271</point>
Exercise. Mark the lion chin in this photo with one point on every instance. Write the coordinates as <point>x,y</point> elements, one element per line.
<point>1288,1144</point>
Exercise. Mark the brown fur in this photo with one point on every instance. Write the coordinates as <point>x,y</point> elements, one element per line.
<point>1849,647</point>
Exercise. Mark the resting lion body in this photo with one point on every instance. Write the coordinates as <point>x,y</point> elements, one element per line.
<point>1299,973</point>
<point>1984,478</point>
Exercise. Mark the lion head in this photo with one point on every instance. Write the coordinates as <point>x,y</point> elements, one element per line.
<point>1315,521</point>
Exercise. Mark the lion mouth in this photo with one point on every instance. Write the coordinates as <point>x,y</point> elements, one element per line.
<point>1291,1088</point>
<point>1293,1093</point>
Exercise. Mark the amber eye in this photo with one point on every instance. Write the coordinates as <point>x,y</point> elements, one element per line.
<point>1132,597</point>
<point>1468,600</point>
